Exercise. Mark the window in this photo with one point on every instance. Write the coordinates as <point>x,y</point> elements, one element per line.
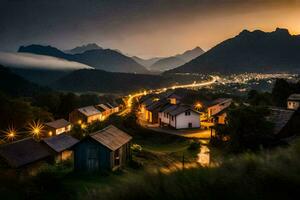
<point>187,113</point>
<point>117,157</point>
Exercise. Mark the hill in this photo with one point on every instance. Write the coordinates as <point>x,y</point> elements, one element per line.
<point>145,62</point>
<point>104,59</point>
<point>177,60</point>
<point>14,85</point>
<point>102,81</point>
<point>83,48</point>
<point>256,51</point>
<point>167,63</point>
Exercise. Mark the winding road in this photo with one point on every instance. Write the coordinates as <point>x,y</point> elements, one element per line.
<point>136,95</point>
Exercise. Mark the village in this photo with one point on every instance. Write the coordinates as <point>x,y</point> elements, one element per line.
<point>171,112</point>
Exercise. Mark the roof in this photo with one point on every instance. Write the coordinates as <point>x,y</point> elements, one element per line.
<point>219,101</point>
<point>23,152</point>
<point>58,123</point>
<point>157,105</point>
<point>180,109</point>
<point>279,117</point>
<point>169,108</point>
<point>89,111</point>
<point>60,142</point>
<point>111,137</point>
<point>294,97</point>
<point>105,107</point>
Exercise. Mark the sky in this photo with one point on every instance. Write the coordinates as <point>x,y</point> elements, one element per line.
<point>145,28</point>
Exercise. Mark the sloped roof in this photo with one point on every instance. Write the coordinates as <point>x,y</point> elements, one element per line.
<point>111,137</point>
<point>180,109</point>
<point>157,105</point>
<point>58,123</point>
<point>219,101</point>
<point>279,117</point>
<point>294,97</point>
<point>89,111</point>
<point>169,108</point>
<point>60,142</point>
<point>103,106</point>
<point>23,152</point>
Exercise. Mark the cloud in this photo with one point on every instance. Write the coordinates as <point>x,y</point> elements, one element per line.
<point>33,61</point>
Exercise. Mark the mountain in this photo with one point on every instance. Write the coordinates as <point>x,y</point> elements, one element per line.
<point>83,48</point>
<point>256,51</point>
<point>104,59</point>
<point>103,81</point>
<point>191,54</point>
<point>145,62</point>
<point>177,60</point>
<point>167,63</point>
<point>15,85</point>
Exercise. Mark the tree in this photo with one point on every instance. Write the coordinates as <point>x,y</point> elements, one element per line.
<point>281,91</point>
<point>247,128</point>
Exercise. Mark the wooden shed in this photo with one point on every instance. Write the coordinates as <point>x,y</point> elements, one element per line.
<point>60,146</point>
<point>107,149</point>
<point>26,154</point>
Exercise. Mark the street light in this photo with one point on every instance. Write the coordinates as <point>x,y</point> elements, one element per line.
<point>10,133</point>
<point>36,128</point>
<point>198,106</point>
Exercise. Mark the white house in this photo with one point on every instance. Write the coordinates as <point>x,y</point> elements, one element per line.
<point>293,102</point>
<point>179,117</point>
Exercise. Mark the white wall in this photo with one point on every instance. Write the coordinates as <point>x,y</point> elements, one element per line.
<point>182,120</point>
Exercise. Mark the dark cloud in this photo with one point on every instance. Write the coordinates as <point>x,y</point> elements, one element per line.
<point>65,23</point>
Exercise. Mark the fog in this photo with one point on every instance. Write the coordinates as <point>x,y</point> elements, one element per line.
<point>33,61</point>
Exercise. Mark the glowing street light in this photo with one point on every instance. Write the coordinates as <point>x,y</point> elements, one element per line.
<point>198,106</point>
<point>10,133</point>
<point>36,128</point>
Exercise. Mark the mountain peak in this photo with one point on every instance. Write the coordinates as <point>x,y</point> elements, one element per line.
<point>282,31</point>
<point>83,48</point>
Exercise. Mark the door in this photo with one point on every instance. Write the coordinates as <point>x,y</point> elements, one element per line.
<point>92,159</point>
<point>190,125</point>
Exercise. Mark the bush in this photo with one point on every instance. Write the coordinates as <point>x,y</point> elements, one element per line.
<point>195,145</point>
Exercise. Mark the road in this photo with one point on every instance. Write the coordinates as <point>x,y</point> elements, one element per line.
<point>136,95</point>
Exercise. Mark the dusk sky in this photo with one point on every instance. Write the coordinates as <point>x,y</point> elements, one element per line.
<point>144,28</point>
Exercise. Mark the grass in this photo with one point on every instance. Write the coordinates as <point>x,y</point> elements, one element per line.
<point>268,175</point>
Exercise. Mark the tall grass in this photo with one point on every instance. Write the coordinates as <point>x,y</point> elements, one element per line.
<point>269,175</point>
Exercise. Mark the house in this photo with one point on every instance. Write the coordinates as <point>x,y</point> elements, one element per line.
<point>180,117</point>
<point>286,122</point>
<point>218,105</point>
<point>293,102</point>
<point>113,106</point>
<point>60,146</point>
<point>57,127</point>
<point>153,110</point>
<point>104,109</point>
<point>107,149</point>
<point>26,154</point>
<point>85,115</point>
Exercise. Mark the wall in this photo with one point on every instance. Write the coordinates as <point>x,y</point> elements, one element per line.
<point>182,121</point>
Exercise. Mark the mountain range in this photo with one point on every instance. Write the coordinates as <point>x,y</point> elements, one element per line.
<point>104,59</point>
<point>171,62</point>
<point>83,48</point>
<point>256,51</point>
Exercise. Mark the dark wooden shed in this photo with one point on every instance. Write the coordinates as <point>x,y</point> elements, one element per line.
<point>107,149</point>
